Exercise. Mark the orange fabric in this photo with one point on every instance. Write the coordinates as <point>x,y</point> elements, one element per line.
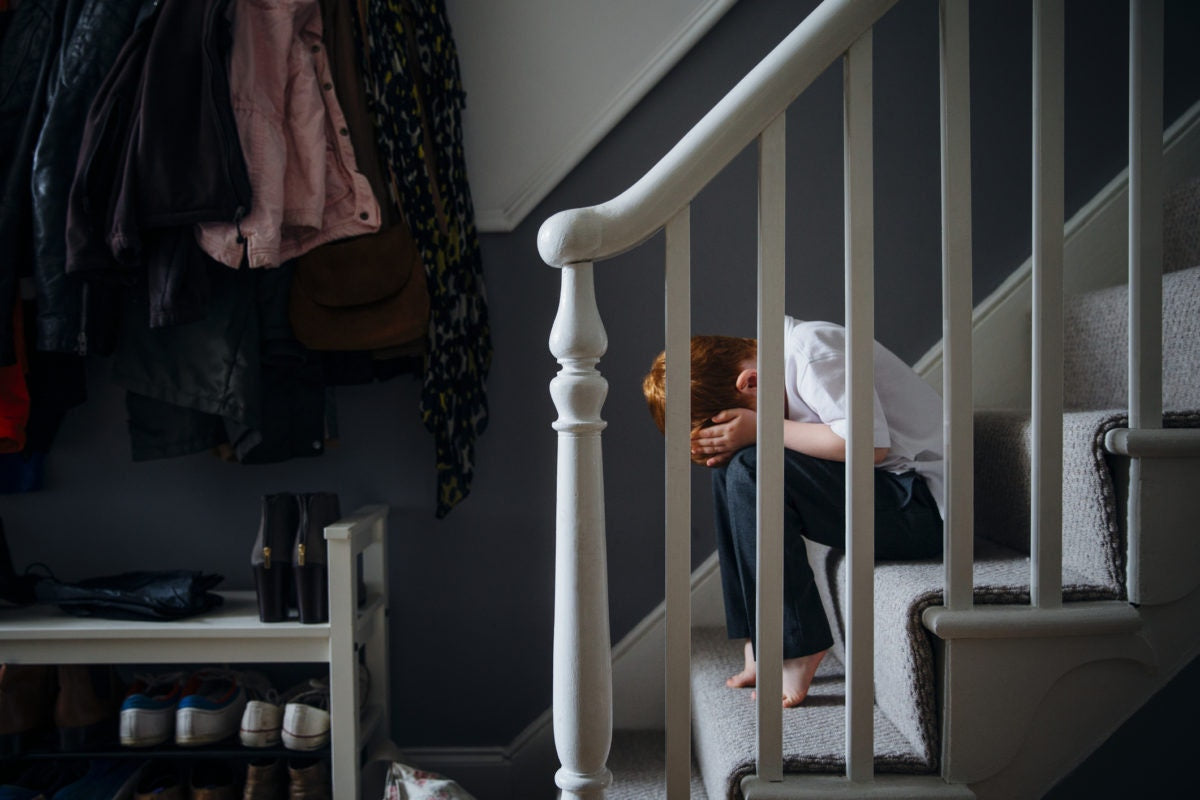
<point>14,392</point>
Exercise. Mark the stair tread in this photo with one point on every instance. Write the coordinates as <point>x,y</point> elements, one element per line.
<point>813,734</point>
<point>638,763</point>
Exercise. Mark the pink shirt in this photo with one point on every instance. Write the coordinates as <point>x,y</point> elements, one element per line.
<point>306,187</point>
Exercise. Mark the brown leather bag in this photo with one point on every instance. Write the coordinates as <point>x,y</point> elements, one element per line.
<point>369,292</point>
<point>364,293</point>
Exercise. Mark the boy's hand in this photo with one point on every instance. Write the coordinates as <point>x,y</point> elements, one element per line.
<point>733,429</point>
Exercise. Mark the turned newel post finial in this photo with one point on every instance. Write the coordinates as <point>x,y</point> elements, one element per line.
<point>582,654</point>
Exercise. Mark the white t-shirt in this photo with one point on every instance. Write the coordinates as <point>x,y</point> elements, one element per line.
<point>908,412</point>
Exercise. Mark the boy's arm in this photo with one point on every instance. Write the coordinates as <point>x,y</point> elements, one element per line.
<point>735,428</point>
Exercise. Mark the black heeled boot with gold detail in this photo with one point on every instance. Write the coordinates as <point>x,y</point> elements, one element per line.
<point>271,557</point>
<point>308,557</point>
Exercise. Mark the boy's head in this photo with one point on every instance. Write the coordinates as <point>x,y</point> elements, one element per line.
<point>717,363</point>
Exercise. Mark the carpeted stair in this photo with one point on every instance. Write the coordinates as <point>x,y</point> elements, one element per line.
<point>638,763</point>
<point>906,724</point>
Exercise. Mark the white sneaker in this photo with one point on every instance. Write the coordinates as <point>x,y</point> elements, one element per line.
<point>148,710</point>
<point>306,713</point>
<point>211,709</point>
<point>306,718</point>
<point>263,717</point>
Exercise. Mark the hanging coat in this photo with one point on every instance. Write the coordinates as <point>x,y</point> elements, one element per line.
<point>306,184</point>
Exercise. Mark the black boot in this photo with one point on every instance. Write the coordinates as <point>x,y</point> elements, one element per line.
<point>271,557</point>
<point>26,703</point>
<point>14,588</point>
<point>308,558</point>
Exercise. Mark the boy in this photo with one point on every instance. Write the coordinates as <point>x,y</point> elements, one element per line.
<point>908,473</point>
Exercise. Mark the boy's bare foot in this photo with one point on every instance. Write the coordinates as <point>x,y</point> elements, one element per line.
<point>748,675</point>
<point>797,678</point>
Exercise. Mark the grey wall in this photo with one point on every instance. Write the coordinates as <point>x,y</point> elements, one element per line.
<point>473,594</point>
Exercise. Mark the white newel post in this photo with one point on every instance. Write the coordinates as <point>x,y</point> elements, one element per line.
<point>582,656</point>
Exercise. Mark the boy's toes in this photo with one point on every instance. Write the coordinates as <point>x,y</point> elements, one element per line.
<point>742,680</point>
<point>793,700</point>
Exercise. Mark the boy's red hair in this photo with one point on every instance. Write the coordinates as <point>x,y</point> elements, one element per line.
<point>716,363</point>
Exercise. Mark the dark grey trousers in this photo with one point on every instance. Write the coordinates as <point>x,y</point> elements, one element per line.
<point>907,526</point>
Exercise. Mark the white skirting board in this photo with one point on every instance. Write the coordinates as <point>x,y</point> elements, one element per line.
<point>1096,242</point>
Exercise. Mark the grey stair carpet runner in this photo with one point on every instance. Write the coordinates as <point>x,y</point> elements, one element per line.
<point>813,733</point>
<point>638,763</point>
<point>906,730</point>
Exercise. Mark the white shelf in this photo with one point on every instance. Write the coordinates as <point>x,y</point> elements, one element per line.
<point>232,633</point>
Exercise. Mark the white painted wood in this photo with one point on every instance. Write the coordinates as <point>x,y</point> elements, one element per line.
<point>958,411</point>
<point>582,682</point>
<point>231,633</point>
<point>1026,622</point>
<point>678,502</point>
<point>1079,713</point>
<point>1047,398</point>
<point>1145,258</point>
<point>546,80</point>
<point>1095,257</point>
<point>860,386</point>
<point>343,670</point>
<point>1150,443</point>
<point>639,659</point>
<point>602,231</point>
<point>772,233</point>
<point>835,787</point>
<point>1163,562</point>
<point>995,687</point>
<point>1145,213</point>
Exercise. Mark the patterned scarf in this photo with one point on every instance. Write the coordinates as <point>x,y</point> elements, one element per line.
<point>441,216</point>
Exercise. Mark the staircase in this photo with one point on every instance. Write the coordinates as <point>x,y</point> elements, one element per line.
<point>1070,588</point>
<point>906,731</point>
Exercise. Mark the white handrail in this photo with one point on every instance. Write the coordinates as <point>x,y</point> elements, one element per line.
<point>605,230</point>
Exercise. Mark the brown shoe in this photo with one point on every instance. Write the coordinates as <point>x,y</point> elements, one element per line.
<point>264,780</point>
<point>86,709</point>
<point>160,781</point>
<point>309,780</point>
<point>211,780</point>
<point>26,693</point>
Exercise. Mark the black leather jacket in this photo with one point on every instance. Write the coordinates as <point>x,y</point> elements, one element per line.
<point>92,33</point>
<point>160,152</point>
<point>26,52</point>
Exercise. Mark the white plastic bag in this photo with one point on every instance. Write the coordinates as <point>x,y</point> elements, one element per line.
<point>407,783</point>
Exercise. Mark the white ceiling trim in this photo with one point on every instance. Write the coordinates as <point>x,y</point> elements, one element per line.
<point>503,199</point>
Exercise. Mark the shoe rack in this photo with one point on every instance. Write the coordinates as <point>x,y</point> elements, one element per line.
<point>233,634</point>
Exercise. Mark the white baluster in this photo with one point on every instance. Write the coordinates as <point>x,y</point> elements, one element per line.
<point>772,230</point>
<point>582,694</point>
<point>860,388</point>
<point>1145,212</point>
<point>1145,251</point>
<point>678,503</point>
<point>957,402</point>
<point>1045,539</point>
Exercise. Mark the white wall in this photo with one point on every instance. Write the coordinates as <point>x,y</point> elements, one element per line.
<point>547,79</point>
